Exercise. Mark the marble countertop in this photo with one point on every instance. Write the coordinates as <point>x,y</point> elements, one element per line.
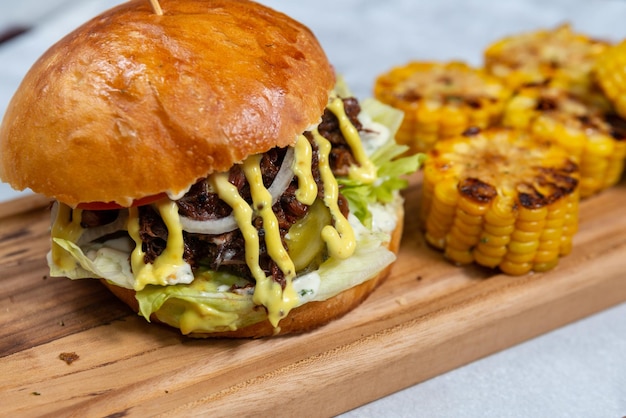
<point>576,371</point>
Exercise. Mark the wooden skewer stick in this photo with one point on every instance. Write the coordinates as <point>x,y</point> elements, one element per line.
<point>156,7</point>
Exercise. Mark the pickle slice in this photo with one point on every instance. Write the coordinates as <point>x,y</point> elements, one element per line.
<point>304,240</point>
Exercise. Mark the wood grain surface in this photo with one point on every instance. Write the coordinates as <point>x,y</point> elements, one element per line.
<point>427,318</point>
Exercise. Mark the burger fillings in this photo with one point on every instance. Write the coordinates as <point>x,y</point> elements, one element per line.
<point>345,252</point>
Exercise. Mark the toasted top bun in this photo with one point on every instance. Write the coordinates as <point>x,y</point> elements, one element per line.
<point>133,104</point>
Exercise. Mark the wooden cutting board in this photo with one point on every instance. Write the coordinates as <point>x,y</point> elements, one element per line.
<point>428,318</point>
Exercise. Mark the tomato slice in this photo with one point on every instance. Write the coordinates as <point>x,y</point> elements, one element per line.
<point>112,205</point>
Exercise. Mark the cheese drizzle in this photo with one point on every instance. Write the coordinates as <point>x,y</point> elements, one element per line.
<point>366,171</point>
<point>307,188</point>
<point>169,267</point>
<point>268,292</point>
<point>339,239</point>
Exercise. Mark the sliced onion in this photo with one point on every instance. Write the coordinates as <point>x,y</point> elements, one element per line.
<point>92,234</point>
<point>228,223</point>
<point>209,227</point>
<point>283,177</point>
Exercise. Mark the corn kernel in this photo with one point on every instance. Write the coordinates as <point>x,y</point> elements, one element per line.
<point>515,269</point>
<point>495,240</point>
<point>486,260</point>
<point>459,256</point>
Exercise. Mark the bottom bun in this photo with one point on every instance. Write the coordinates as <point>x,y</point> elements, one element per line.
<point>304,318</point>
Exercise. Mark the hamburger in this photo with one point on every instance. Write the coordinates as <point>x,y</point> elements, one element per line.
<point>209,167</point>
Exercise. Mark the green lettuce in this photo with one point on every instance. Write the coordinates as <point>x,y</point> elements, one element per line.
<point>203,305</point>
<point>97,260</point>
<point>392,166</point>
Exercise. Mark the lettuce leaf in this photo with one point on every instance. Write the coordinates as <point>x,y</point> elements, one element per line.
<point>99,260</point>
<point>202,305</point>
<point>392,166</point>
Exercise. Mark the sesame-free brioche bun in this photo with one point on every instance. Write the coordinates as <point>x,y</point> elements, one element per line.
<point>307,317</point>
<point>133,104</point>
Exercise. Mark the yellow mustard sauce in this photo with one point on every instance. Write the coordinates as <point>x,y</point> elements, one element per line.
<point>170,264</point>
<point>66,226</point>
<point>267,292</point>
<point>339,239</point>
<point>278,307</point>
<point>307,188</point>
<point>193,317</point>
<point>365,172</point>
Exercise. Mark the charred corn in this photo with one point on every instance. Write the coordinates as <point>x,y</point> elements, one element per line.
<point>587,129</point>
<point>440,100</point>
<point>559,55</point>
<point>500,199</point>
<point>610,74</point>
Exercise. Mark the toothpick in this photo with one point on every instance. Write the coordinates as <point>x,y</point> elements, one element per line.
<point>156,7</point>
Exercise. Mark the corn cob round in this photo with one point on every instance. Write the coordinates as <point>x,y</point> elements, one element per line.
<point>588,129</point>
<point>501,199</point>
<point>610,74</point>
<point>559,55</point>
<point>440,100</point>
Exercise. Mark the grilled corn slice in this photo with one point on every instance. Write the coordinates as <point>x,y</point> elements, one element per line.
<point>610,74</point>
<point>440,100</point>
<point>559,55</point>
<point>500,199</point>
<point>589,130</point>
